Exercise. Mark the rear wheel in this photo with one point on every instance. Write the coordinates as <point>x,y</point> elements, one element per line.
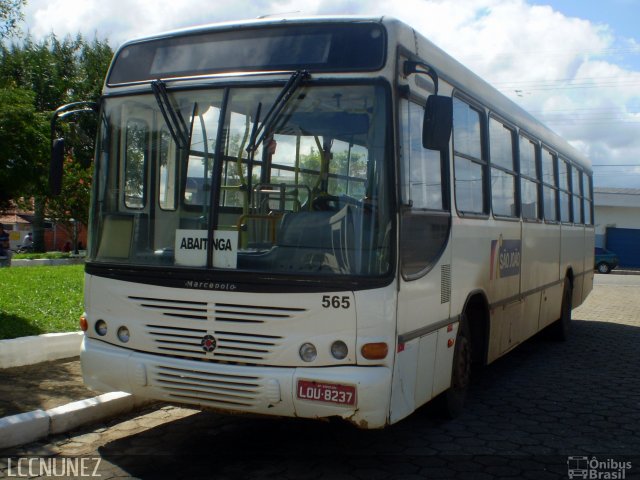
<point>454,398</point>
<point>604,267</point>
<point>560,329</point>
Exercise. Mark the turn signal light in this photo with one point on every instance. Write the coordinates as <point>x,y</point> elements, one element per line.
<point>374,351</point>
<point>84,324</point>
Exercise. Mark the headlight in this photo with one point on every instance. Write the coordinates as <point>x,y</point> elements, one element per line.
<point>123,334</point>
<point>339,350</point>
<point>308,352</point>
<point>101,328</point>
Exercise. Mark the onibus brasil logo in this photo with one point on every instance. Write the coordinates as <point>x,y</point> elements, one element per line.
<point>593,468</point>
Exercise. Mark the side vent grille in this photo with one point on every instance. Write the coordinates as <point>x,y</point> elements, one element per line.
<point>445,284</point>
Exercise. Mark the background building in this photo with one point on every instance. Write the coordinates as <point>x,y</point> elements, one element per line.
<point>18,224</point>
<point>617,218</point>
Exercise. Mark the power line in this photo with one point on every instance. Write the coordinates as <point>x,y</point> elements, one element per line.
<point>617,165</point>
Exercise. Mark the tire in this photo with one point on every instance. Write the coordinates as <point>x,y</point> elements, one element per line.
<point>453,399</point>
<point>560,329</point>
<point>603,267</point>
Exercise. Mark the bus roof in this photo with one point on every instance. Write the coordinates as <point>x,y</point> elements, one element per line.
<point>448,69</point>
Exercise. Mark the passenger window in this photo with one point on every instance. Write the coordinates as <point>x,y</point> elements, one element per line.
<point>565,195</point>
<point>576,188</point>
<point>503,176</point>
<point>586,192</point>
<point>529,179</point>
<point>469,165</point>
<point>549,186</point>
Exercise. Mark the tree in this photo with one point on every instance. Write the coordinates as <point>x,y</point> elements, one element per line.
<point>71,205</point>
<point>54,73</point>
<point>23,143</point>
<point>10,15</point>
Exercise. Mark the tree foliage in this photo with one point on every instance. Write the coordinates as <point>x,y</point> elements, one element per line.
<point>35,79</point>
<point>23,143</point>
<point>10,16</point>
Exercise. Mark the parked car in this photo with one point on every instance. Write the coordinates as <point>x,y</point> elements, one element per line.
<point>605,260</point>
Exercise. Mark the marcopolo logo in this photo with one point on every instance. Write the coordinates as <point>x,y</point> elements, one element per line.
<point>594,468</point>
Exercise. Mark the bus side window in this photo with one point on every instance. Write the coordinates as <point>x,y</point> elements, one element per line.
<point>503,175</point>
<point>586,192</point>
<point>529,179</point>
<point>576,188</point>
<point>469,165</point>
<point>425,218</point>
<point>565,195</point>
<point>549,186</point>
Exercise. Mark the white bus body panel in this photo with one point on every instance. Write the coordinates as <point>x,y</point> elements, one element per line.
<point>170,364</point>
<point>234,388</point>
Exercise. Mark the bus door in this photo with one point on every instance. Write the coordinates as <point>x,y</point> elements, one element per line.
<point>423,362</point>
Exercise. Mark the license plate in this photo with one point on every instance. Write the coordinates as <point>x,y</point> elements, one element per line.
<point>326,392</point>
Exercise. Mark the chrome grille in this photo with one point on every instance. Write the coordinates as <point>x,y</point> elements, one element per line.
<point>243,333</point>
<point>226,312</point>
<point>175,308</point>
<point>177,340</point>
<point>214,389</point>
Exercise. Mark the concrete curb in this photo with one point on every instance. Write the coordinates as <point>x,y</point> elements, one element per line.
<point>18,352</point>
<point>617,271</point>
<point>28,427</point>
<point>21,262</point>
<point>24,428</point>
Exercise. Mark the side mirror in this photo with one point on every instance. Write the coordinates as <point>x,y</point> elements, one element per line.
<point>438,122</point>
<point>57,164</point>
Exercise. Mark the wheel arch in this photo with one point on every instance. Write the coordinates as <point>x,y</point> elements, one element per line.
<point>569,274</point>
<point>476,311</point>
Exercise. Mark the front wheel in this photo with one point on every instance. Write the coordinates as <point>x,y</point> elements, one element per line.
<point>604,267</point>
<point>454,398</point>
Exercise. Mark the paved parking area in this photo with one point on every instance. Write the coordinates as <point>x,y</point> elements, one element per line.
<point>529,413</point>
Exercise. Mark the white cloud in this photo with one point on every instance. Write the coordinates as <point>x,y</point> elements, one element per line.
<point>563,68</point>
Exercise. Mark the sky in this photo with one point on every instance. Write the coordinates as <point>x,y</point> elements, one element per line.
<point>573,64</point>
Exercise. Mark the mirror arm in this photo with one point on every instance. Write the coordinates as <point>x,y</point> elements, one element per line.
<point>410,67</point>
<point>57,144</point>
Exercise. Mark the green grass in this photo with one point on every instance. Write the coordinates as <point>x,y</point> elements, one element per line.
<point>42,299</point>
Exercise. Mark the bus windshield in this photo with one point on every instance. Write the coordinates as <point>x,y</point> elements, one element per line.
<point>176,186</point>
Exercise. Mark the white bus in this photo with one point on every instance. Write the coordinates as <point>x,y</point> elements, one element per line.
<point>321,217</point>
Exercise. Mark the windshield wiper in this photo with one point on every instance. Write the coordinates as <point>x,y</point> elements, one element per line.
<point>175,122</point>
<point>257,136</point>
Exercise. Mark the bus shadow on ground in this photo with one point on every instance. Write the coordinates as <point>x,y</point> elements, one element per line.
<point>529,410</point>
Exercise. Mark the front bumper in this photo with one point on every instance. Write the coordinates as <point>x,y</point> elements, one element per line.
<point>235,388</point>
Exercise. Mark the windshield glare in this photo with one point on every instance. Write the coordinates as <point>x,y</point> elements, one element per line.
<point>312,199</point>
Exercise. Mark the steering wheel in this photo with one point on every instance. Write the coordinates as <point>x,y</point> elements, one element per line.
<point>325,203</point>
<point>333,203</point>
